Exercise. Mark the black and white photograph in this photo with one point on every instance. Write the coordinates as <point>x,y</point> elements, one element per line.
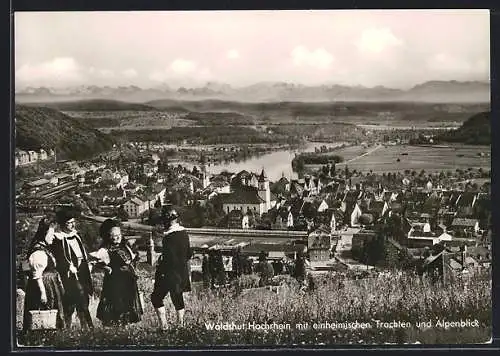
<point>252,179</point>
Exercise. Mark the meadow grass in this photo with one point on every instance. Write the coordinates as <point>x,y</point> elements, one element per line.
<point>398,297</point>
<point>430,159</point>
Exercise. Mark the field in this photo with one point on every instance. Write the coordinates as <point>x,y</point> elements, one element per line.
<point>216,112</point>
<point>428,158</point>
<point>131,120</point>
<point>287,121</point>
<point>373,301</point>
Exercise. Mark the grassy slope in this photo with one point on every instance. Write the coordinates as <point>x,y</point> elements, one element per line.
<point>393,298</point>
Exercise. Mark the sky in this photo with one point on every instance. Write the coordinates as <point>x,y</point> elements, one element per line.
<point>393,48</point>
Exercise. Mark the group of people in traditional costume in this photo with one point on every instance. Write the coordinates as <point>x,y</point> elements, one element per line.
<point>60,273</point>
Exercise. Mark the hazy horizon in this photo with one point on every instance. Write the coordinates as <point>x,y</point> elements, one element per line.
<point>391,48</point>
<point>199,85</point>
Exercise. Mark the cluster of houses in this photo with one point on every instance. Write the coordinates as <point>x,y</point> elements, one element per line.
<point>142,202</point>
<point>112,189</point>
<point>107,184</point>
<point>23,158</point>
<point>65,172</point>
<point>417,212</point>
<point>429,212</point>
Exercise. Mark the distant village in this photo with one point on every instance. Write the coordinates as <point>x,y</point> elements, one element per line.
<point>392,220</point>
<point>22,158</point>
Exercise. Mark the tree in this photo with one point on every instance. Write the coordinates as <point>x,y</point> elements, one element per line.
<point>157,203</point>
<point>153,216</point>
<point>199,214</point>
<point>366,219</point>
<point>265,222</point>
<point>298,164</point>
<point>122,214</point>
<point>332,170</point>
<point>376,248</point>
<point>81,205</point>
<point>161,168</point>
<point>20,172</point>
<point>89,233</point>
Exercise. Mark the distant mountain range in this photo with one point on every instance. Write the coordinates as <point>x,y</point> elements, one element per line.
<point>432,91</point>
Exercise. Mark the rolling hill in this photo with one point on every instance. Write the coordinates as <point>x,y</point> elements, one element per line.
<point>40,127</point>
<point>475,131</point>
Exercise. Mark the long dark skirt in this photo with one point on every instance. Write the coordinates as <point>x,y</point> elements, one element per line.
<point>120,302</point>
<point>55,293</point>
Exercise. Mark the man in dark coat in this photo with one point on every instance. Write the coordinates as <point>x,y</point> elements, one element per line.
<point>212,267</point>
<point>205,271</point>
<point>237,263</point>
<point>221,271</point>
<point>173,269</point>
<point>73,267</point>
<point>299,271</point>
<point>264,269</point>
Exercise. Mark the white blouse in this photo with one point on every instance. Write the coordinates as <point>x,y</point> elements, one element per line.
<point>38,261</point>
<point>102,255</point>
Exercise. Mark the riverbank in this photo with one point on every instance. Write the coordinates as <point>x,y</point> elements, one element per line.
<point>276,164</point>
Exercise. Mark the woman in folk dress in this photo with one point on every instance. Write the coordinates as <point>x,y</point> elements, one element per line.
<point>120,301</point>
<point>45,289</point>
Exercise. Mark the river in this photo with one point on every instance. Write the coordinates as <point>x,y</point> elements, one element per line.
<point>275,164</point>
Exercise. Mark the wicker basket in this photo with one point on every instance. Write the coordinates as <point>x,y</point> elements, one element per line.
<point>43,319</point>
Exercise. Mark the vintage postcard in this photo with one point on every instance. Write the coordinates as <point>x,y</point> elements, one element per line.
<point>252,178</point>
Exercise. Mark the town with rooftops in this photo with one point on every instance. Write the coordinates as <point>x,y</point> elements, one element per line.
<point>342,219</point>
<point>252,178</point>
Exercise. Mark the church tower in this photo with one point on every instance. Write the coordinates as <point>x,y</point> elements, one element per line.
<point>264,190</point>
<point>205,176</point>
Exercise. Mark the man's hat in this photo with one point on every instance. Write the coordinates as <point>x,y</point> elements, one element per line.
<point>168,213</point>
<point>64,214</point>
